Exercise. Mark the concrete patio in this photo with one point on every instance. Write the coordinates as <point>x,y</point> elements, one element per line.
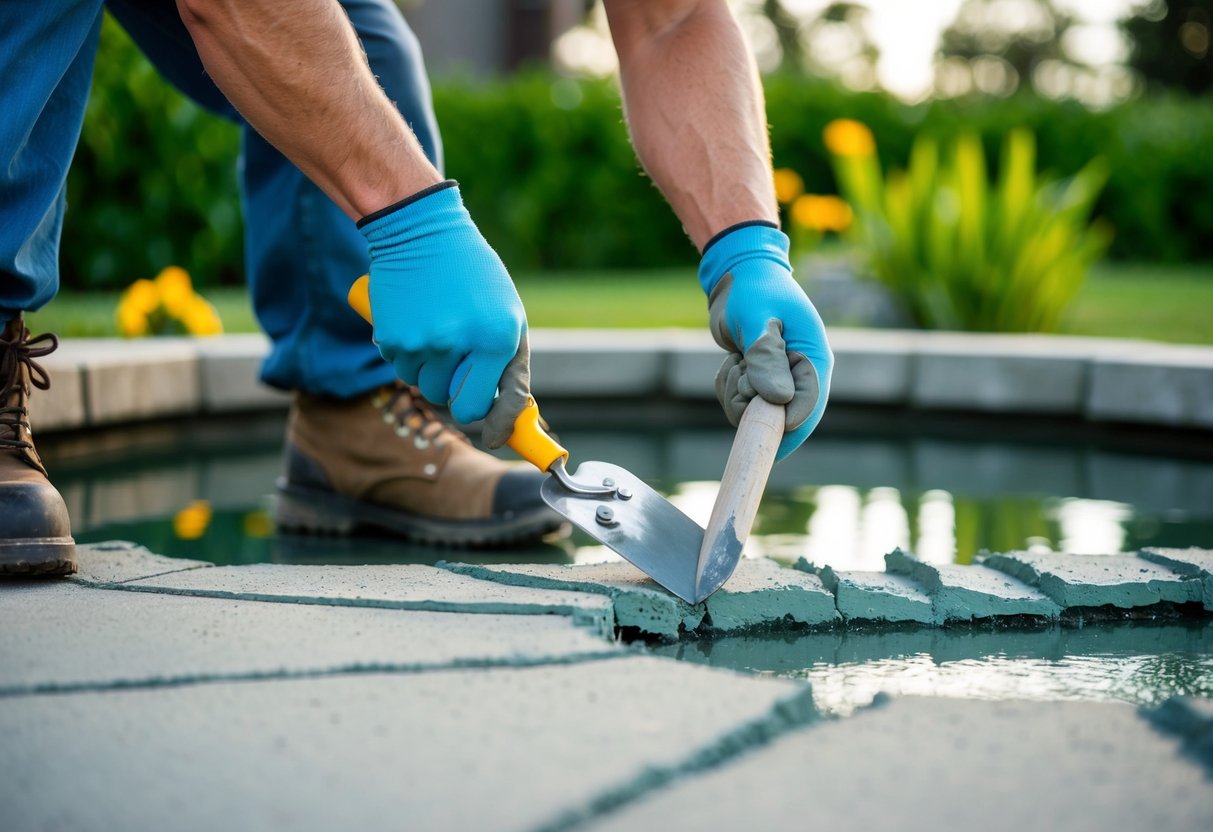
<point>152,693</point>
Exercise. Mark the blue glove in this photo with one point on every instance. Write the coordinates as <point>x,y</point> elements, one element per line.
<point>775,337</point>
<point>446,314</point>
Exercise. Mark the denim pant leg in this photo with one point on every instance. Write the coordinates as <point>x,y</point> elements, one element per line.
<point>301,251</point>
<point>46,65</point>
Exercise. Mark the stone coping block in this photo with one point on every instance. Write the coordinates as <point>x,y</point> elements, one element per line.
<point>1192,563</point>
<point>1162,384</point>
<point>397,586</point>
<point>595,363</point>
<point>137,379</point>
<point>928,765</point>
<point>761,594</point>
<point>881,597</point>
<point>119,561</point>
<point>230,370</point>
<point>62,406</point>
<point>67,637</point>
<point>999,373</point>
<point>1123,581</point>
<point>969,593</point>
<point>101,381</point>
<point>499,749</point>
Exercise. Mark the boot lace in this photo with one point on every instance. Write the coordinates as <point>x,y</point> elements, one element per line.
<point>414,417</point>
<point>15,354</point>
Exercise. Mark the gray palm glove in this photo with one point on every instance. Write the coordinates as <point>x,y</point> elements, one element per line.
<point>513,393</point>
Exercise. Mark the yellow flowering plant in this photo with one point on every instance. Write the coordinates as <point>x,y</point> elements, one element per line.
<point>960,252</point>
<point>808,217</point>
<point>165,305</point>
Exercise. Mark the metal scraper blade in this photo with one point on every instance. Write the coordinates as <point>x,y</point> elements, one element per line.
<point>647,529</point>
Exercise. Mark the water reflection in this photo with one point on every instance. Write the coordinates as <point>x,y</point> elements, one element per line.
<point>1137,663</point>
<point>842,499</point>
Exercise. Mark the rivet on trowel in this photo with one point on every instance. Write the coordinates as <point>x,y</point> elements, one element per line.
<point>605,516</point>
<point>608,482</point>
<point>624,494</point>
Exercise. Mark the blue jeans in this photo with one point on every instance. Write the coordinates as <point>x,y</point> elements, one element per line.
<point>301,251</point>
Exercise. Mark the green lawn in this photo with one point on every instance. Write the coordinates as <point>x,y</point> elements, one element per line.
<point>1165,303</point>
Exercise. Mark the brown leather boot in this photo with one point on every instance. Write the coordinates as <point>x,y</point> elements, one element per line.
<point>387,461</point>
<point>35,533</point>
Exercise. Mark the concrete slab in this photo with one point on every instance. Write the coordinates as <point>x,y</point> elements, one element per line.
<point>118,561</point>
<point>1193,563</point>
<point>999,373</point>
<point>874,596</point>
<point>1122,581</point>
<point>63,636</point>
<point>62,406</point>
<point>1155,384</point>
<point>761,594</point>
<point>504,749</point>
<point>230,370</point>
<point>399,586</point>
<point>941,764</point>
<point>969,593</point>
<point>141,379</point>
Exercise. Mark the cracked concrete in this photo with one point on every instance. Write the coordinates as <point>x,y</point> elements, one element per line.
<point>971,593</point>
<point>1123,581</point>
<point>403,586</point>
<point>151,693</point>
<point>1193,563</point>
<point>761,594</point>
<point>938,764</point>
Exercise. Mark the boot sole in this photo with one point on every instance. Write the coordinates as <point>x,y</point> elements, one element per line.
<point>314,511</point>
<point>40,557</point>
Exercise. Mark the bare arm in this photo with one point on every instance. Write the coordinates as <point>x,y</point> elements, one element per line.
<point>297,74</point>
<point>695,110</point>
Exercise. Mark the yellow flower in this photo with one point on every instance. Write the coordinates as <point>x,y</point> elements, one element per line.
<point>258,524</point>
<point>788,185</point>
<point>142,295</point>
<point>132,321</point>
<point>847,137</point>
<point>176,291</point>
<point>200,318</point>
<point>821,213</point>
<point>190,523</point>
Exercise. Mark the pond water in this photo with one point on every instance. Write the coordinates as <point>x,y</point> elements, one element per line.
<point>868,482</point>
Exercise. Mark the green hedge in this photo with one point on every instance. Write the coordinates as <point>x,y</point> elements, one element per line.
<point>548,173</point>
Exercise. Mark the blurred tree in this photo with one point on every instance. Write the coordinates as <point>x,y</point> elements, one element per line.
<point>993,46</point>
<point>1170,44</point>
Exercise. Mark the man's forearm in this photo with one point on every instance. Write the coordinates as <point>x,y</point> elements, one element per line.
<point>297,74</point>
<point>695,110</point>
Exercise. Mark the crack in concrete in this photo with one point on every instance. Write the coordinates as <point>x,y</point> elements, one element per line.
<point>354,669</point>
<point>600,621</point>
<point>787,716</point>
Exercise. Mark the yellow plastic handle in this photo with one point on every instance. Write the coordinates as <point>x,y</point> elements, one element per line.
<point>529,440</point>
<point>359,297</point>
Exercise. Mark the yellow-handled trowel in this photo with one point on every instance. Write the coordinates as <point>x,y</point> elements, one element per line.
<point>609,503</point>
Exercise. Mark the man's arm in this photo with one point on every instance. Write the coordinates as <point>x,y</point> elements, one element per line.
<point>297,74</point>
<point>695,110</point>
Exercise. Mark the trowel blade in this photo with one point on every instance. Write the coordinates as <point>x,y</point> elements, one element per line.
<point>647,530</point>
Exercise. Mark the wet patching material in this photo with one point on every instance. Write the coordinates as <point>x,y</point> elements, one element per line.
<point>1191,563</point>
<point>761,594</point>
<point>881,597</point>
<point>969,593</point>
<point>1122,581</point>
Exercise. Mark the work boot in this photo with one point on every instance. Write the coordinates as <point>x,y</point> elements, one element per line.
<point>387,461</point>
<point>35,533</point>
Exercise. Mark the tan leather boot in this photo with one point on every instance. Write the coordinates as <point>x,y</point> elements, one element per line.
<point>35,533</point>
<point>386,461</point>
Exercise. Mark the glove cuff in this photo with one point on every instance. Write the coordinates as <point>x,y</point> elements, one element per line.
<point>735,245</point>
<point>411,211</point>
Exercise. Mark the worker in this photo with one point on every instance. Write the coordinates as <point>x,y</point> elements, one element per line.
<point>341,175</point>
